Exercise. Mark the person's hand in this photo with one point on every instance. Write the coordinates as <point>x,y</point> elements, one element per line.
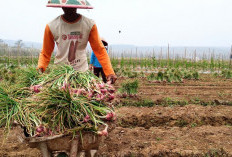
<point>111,78</point>
<point>91,67</point>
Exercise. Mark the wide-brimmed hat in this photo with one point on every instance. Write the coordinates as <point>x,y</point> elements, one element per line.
<point>81,4</point>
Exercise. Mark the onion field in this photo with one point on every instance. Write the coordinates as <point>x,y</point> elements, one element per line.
<point>164,106</point>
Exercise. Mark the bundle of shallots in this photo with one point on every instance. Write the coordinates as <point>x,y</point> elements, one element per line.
<point>66,101</point>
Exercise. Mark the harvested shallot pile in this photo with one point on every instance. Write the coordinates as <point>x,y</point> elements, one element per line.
<point>63,101</point>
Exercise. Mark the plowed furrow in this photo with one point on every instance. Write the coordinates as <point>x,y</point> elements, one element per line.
<point>168,141</point>
<point>191,115</point>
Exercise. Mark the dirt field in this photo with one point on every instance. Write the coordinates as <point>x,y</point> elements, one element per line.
<point>206,89</point>
<point>172,130</point>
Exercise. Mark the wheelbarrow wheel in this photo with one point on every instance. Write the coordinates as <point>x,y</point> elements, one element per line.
<point>88,153</point>
<point>62,155</point>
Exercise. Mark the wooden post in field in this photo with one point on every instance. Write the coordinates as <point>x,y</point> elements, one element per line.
<point>230,58</point>
<point>223,57</point>
<point>18,54</point>
<point>185,53</point>
<point>136,51</point>
<point>161,56</point>
<point>214,60</point>
<point>174,58</point>
<point>168,56</point>
<point>135,58</point>
<point>210,53</point>
<point>219,60</point>
<point>31,50</point>
<point>8,52</point>
<point>203,60</point>
<point>153,52</point>
<point>221,63</point>
<point>195,56</point>
<point>153,58</point>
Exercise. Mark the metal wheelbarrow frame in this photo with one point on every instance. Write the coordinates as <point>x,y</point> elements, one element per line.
<point>51,146</point>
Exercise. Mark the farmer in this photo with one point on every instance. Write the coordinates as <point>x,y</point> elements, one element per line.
<point>71,32</point>
<point>95,65</point>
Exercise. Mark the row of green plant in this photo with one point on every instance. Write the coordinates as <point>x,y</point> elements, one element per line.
<point>224,74</point>
<point>135,63</point>
<point>168,75</point>
<point>173,75</point>
<point>153,63</point>
<point>168,102</point>
<point>21,60</point>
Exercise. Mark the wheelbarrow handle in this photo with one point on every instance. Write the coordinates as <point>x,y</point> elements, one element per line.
<point>74,147</point>
<point>44,149</point>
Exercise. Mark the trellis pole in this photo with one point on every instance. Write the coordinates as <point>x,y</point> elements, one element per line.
<point>230,58</point>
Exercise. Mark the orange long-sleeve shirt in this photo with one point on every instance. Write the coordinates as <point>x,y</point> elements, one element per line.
<point>93,38</point>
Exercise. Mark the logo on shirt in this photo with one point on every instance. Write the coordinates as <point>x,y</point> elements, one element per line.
<point>64,37</point>
<point>72,36</point>
<point>75,35</point>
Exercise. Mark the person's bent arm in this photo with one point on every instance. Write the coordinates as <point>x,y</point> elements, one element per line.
<point>48,47</point>
<point>100,51</point>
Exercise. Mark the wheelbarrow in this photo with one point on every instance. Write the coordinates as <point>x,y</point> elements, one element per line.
<point>64,145</point>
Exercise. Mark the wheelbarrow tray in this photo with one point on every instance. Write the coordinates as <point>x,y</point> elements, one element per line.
<point>87,141</point>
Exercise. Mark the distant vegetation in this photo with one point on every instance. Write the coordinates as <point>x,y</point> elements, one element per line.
<point>134,60</point>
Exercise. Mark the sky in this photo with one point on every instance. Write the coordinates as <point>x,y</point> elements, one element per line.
<point>141,22</point>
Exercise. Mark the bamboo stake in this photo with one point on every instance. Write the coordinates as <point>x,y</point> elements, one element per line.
<point>174,58</point>
<point>136,51</point>
<point>230,66</point>
<point>195,56</point>
<point>31,50</point>
<point>185,53</point>
<point>8,55</point>
<point>214,60</point>
<point>161,56</point>
<point>153,58</point>
<point>18,54</point>
<point>219,61</point>
<point>153,52</point>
